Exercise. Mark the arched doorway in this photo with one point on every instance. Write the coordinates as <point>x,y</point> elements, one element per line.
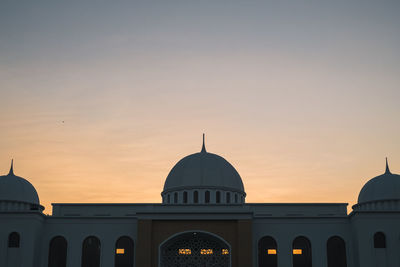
<point>267,252</point>
<point>302,252</point>
<point>194,249</point>
<point>336,252</point>
<point>58,252</point>
<point>91,252</point>
<point>124,252</point>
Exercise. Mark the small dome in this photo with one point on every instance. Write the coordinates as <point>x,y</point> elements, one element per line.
<point>15,188</point>
<point>382,187</point>
<point>203,170</point>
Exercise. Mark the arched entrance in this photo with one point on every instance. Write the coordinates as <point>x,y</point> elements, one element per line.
<point>195,249</point>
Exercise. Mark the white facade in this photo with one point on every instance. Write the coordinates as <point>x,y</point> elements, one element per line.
<point>378,211</point>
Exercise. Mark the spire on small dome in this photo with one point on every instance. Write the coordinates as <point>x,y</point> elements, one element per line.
<point>203,148</point>
<point>387,171</point>
<point>11,168</point>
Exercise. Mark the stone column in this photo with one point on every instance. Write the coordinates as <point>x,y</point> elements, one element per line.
<point>143,246</point>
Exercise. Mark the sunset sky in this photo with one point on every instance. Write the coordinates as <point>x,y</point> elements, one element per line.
<point>99,99</point>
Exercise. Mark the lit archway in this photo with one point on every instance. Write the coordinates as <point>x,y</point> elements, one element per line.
<point>124,252</point>
<point>193,249</point>
<point>267,252</point>
<point>301,253</point>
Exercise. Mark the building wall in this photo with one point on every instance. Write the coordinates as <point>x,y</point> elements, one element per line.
<point>76,230</point>
<point>364,226</point>
<point>29,226</point>
<point>317,230</point>
<point>149,230</point>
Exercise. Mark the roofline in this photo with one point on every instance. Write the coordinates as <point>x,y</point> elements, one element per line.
<point>180,205</point>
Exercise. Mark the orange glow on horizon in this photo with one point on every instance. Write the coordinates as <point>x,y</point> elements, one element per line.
<point>97,114</point>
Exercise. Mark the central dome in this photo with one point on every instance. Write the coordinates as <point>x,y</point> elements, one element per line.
<point>204,171</point>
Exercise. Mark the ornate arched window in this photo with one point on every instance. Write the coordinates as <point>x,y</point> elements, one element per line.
<point>195,197</point>
<point>124,252</point>
<point>58,252</point>
<point>218,197</point>
<point>336,252</point>
<point>91,252</point>
<point>267,252</point>
<point>207,196</point>
<point>301,253</point>
<point>185,197</point>
<point>379,240</point>
<point>195,249</point>
<point>13,240</point>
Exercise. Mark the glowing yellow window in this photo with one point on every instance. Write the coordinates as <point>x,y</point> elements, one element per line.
<point>225,251</point>
<point>206,251</point>
<point>184,251</point>
<point>297,251</point>
<point>271,251</point>
<point>120,251</point>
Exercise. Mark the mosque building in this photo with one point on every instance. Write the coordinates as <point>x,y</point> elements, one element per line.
<point>203,220</point>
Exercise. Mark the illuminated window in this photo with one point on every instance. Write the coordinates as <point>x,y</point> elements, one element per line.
<point>225,251</point>
<point>184,251</point>
<point>267,252</point>
<point>201,246</point>
<point>297,251</point>
<point>301,253</point>
<point>124,250</point>
<point>206,251</point>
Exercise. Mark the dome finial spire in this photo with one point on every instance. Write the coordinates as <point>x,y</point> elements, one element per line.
<point>387,167</point>
<point>11,168</point>
<point>203,148</point>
